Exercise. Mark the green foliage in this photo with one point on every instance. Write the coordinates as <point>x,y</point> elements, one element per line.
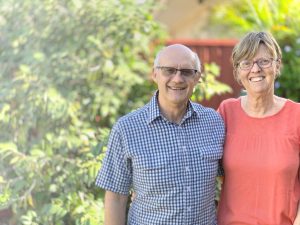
<point>209,85</point>
<point>288,84</point>
<point>282,19</point>
<point>68,69</point>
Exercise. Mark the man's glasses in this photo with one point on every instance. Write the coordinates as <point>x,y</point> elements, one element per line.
<point>262,63</point>
<point>169,71</point>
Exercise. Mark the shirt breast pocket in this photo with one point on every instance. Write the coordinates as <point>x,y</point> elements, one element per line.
<point>209,161</point>
<point>152,174</point>
<point>212,154</point>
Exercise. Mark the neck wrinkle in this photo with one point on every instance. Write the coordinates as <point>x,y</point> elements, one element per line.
<point>261,106</point>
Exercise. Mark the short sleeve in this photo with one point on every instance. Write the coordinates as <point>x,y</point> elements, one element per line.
<point>115,174</point>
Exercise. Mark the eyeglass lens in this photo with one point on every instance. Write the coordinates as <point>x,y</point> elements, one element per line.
<point>168,71</point>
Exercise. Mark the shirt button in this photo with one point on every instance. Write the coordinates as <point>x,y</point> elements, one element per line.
<point>189,208</point>
<point>183,148</point>
<point>188,189</point>
<point>187,168</point>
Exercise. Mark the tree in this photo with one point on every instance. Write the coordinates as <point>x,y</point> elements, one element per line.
<point>67,70</point>
<point>279,17</point>
<point>209,85</point>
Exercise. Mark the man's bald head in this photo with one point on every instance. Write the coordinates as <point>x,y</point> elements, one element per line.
<point>178,49</point>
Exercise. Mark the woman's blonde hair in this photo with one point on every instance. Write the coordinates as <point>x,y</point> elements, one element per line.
<point>248,47</point>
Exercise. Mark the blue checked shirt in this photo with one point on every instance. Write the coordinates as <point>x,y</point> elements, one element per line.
<point>171,167</point>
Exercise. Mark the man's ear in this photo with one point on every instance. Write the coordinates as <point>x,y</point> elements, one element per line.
<point>154,74</point>
<point>197,77</point>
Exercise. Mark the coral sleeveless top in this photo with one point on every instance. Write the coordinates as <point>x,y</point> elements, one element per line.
<point>261,164</point>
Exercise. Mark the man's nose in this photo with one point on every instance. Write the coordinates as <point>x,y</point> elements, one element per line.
<point>177,76</point>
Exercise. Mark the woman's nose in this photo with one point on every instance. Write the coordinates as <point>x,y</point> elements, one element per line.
<point>255,67</point>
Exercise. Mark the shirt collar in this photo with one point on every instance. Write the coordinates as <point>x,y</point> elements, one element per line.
<point>154,111</point>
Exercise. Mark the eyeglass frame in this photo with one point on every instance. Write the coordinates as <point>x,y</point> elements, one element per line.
<point>257,63</point>
<point>176,70</point>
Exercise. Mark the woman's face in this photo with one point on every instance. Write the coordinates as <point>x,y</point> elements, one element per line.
<point>258,75</point>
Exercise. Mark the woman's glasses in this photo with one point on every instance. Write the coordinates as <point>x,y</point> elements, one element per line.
<point>262,63</point>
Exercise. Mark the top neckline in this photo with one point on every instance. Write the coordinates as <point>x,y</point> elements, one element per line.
<point>265,117</point>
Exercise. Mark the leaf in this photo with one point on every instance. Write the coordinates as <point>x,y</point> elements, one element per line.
<point>57,210</point>
<point>39,56</point>
<point>3,112</point>
<point>14,160</point>
<point>62,64</point>
<point>8,146</point>
<point>30,200</point>
<point>37,153</point>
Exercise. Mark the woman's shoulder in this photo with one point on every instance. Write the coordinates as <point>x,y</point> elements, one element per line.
<point>229,106</point>
<point>230,102</point>
<point>293,103</point>
<point>293,106</point>
<point>288,108</point>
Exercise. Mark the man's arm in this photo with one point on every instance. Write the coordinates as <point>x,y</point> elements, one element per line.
<point>115,208</point>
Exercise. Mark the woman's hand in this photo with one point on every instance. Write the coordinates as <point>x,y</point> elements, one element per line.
<point>297,221</point>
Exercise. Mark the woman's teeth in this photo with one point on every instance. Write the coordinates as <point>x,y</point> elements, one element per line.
<point>256,79</point>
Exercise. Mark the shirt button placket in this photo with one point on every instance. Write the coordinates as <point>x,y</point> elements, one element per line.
<point>187,175</point>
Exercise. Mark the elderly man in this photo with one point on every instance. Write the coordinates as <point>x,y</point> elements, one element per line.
<point>167,152</point>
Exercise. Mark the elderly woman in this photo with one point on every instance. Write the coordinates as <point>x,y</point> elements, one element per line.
<point>262,149</point>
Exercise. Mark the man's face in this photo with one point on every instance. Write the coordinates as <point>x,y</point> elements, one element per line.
<point>175,89</point>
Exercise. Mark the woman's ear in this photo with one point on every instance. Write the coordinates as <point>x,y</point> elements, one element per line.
<point>278,67</point>
<point>236,76</point>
